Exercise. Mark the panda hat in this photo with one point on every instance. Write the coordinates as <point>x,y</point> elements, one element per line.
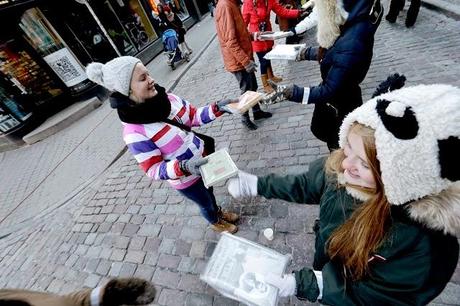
<point>417,135</point>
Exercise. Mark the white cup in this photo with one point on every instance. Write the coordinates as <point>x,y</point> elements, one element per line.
<point>268,233</point>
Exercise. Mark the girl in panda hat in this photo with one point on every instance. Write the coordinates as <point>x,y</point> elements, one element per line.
<point>157,131</point>
<point>389,202</point>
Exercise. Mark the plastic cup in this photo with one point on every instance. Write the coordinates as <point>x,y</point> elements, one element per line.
<point>268,233</point>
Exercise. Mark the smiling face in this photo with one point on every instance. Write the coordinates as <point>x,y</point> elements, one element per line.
<point>357,170</point>
<point>142,84</point>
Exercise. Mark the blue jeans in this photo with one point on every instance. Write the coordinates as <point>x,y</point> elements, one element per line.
<point>204,198</point>
<point>264,63</point>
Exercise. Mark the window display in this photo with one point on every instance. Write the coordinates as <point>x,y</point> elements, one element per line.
<point>42,36</point>
<point>20,69</point>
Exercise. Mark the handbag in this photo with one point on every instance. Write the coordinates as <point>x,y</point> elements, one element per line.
<point>209,142</point>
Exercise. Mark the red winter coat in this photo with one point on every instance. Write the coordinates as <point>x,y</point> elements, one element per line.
<point>252,16</point>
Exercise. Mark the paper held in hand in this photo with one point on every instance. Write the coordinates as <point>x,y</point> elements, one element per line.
<point>284,52</point>
<point>276,35</point>
<point>219,167</point>
<point>238,268</point>
<point>245,102</point>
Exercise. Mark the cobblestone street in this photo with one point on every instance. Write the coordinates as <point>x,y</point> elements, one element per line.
<point>124,224</point>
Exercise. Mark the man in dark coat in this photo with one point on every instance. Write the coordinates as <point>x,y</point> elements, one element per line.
<point>346,31</point>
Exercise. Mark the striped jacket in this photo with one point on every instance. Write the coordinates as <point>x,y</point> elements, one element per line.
<point>158,147</point>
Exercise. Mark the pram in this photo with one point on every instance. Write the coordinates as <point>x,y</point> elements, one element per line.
<point>172,50</point>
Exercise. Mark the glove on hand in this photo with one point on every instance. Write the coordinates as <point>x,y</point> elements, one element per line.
<point>251,67</point>
<point>192,166</point>
<point>305,12</point>
<point>286,284</point>
<point>245,185</point>
<point>222,105</point>
<point>301,55</point>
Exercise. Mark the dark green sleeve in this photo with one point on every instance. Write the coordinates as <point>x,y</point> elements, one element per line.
<point>302,188</point>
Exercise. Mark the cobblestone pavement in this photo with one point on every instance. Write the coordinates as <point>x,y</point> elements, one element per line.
<point>125,224</point>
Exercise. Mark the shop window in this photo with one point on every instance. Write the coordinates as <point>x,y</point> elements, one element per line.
<point>127,24</point>
<point>42,36</point>
<point>12,114</point>
<point>177,6</point>
<point>25,74</point>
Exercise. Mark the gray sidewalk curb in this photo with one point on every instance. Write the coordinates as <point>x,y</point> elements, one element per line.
<point>450,10</point>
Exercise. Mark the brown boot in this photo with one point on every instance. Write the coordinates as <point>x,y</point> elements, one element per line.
<point>223,226</point>
<point>228,216</point>
<point>267,88</point>
<point>272,77</point>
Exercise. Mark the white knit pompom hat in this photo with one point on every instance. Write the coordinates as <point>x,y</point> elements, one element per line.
<point>417,135</point>
<point>115,75</point>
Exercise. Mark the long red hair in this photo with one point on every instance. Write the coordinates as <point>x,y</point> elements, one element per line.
<point>354,242</point>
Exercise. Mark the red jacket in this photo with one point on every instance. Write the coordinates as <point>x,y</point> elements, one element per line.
<point>253,16</point>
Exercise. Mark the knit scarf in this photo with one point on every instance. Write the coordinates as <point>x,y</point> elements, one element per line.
<point>155,109</point>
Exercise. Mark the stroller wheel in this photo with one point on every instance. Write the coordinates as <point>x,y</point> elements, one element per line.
<point>173,67</point>
<point>187,57</point>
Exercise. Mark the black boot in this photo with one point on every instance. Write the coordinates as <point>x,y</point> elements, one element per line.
<point>248,123</point>
<point>395,7</point>
<point>412,13</point>
<point>261,115</point>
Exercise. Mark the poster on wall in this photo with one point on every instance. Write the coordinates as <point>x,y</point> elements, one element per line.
<point>66,67</point>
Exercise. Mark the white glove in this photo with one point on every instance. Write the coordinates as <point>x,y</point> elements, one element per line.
<point>286,284</point>
<point>245,185</point>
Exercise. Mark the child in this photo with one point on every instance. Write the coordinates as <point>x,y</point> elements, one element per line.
<point>389,202</point>
<point>157,131</point>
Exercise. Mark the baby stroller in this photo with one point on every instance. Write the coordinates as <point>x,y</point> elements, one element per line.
<point>172,50</point>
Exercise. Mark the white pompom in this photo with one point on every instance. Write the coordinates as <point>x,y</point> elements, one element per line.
<point>396,109</point>
<point>94,73</point>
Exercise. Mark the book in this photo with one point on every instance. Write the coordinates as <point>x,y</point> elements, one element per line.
<point>284,52</point>
<point>245,102</point>
<point>219,167</point>
<point>238,268</point>
<point>276,35</point>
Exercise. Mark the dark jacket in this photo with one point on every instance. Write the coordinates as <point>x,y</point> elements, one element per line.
<point>343,67</point>
<point>414,263</point>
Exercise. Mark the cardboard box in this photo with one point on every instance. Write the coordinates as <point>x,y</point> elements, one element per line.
<point>219,167</point>
<point>245,102</point>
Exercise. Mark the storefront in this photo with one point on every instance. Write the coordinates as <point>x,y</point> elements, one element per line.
<point>45,45</point>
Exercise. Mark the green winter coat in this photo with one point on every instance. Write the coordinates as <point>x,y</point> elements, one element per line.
<point>413,265</point>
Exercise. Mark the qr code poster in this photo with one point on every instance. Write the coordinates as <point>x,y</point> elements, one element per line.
<point>66,67</point>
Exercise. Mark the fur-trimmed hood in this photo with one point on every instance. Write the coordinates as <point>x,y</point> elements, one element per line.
<point>439,212</point>
<point>336,15</point>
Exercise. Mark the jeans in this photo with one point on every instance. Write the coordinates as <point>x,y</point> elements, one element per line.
<point>247,81</point>
<point>264,63</point>
<point>204,198</point>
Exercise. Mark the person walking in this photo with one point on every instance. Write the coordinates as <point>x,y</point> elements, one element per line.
<point>256,15</point>
<point>389,203</point>
<point>345,34</point>
<point>397,6</point>
<point>157,131</point>
<point>170,20</point>
<point>235,45</point>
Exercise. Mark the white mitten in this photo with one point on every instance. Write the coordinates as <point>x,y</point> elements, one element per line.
<point>245,185</point>
<point>286,284</point>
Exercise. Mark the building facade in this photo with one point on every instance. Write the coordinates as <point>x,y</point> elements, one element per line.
<point>45,45</point>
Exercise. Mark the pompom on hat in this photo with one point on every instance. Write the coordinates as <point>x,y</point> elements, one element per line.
<point>417,137</point>
<point>115,75</point>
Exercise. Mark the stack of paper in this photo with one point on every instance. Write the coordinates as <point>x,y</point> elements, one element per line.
<point>245,102</point>
<point>284,52</point>
<point>238,269</point>
<point>219,167</point>
<point>276,35</point>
